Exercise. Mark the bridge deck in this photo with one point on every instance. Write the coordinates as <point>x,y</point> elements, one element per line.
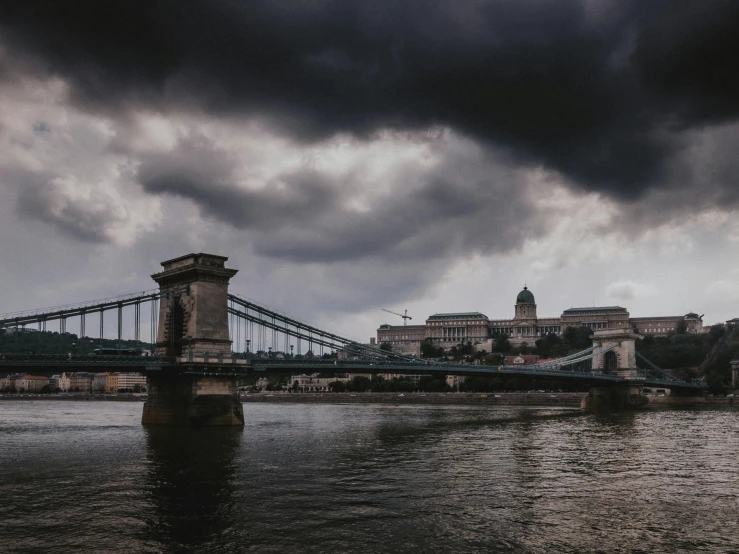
<point>46,363</point>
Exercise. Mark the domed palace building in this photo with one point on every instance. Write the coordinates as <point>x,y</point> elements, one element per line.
<point>449,329</point>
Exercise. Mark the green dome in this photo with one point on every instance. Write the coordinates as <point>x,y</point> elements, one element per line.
<point>525,296</point>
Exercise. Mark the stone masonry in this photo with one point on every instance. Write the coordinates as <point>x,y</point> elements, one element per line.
<point>179,399</point>
<point>197,310</point>
<point>625,353</point>
<point>193,319</point>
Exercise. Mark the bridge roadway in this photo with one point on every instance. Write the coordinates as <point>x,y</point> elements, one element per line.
<point>238,366</point>
<point>430,368</point>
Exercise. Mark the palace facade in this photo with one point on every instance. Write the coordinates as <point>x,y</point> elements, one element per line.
<point>526,326</point>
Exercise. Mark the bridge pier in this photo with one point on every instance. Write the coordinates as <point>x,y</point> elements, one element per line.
<point>193,318</point>
<point>184,399</point>
<point>614,398</point>
<point>615,354</point>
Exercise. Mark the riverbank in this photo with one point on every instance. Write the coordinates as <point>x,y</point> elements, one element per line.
<point>503,399</point>
<point>65,397</point>
<point>691,402</point>
<point>570,400</point>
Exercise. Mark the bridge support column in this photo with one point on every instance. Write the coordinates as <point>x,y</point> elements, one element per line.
<point>179,399</point>
<point>614,398</point>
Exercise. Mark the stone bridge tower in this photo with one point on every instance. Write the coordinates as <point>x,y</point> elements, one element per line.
<point>622,359</point>
<point>194,315</point>
<point>198,390</point>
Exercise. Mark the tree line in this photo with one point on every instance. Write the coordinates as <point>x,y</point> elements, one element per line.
<point>53,342</point>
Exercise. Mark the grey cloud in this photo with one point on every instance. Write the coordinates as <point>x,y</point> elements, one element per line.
<point>45,201</point>
<point>199,171</point>
<point>624,289</point>
<point>703,178</point>
<point>465,205</point>
<point>90,212</point>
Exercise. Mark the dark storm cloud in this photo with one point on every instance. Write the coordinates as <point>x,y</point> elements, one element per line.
<point>465,204</point>
<point>595,90</point>
<point>687,57</point>
<point>702,178</point>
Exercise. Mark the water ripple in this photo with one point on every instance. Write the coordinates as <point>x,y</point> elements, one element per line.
<point>85,476</point>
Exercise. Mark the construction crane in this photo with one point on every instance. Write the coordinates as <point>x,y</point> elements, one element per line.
<point>405,316</point>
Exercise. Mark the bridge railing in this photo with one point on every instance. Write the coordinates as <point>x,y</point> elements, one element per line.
<point>654,368</point>
<point>36,315</point>
<point>431,368</point>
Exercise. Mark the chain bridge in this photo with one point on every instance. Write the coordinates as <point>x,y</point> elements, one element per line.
<point>204,337</point>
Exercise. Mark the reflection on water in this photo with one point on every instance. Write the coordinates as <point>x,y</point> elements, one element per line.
<point>190,485</point>
<point>85,476</point>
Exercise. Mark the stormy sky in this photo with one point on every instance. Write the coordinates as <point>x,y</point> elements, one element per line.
<point>350,156</point>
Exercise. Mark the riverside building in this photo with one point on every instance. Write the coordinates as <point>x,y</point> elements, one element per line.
<point>98,382</point>
<point>449,329</point>
<point>27,383</point>
<point>128,381</point>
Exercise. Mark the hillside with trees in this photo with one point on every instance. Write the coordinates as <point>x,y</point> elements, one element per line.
<point>716,368</point>
<point>53,342</point>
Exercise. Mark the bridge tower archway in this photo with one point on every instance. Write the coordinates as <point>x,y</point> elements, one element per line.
<point>176,328</point>
<point>610,362</point>
<point>615,351</point>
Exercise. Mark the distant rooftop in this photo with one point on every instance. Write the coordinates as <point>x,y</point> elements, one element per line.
<point>657,318</point>
<point>595,309</point>
<point>458,315</point>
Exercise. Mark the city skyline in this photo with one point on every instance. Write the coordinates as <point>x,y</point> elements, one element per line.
<point>375,156</point>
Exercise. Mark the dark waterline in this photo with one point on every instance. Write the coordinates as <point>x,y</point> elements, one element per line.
<point>86,477</point>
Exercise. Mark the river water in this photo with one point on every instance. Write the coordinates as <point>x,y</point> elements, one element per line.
<point>87,477</point>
